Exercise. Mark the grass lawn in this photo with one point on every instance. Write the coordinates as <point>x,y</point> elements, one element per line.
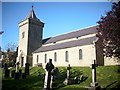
<point>107,77</point>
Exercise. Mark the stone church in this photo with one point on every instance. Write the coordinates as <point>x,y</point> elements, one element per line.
<point>78,48</point>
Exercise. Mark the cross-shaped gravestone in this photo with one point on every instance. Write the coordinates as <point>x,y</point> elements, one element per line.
<point>93,66</point>
<point>49,67</point>
<point>67,80</point>
<point>17,67</point>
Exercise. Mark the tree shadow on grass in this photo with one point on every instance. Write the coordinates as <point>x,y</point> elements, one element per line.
<point>23,84</point>
<point>111,85</point>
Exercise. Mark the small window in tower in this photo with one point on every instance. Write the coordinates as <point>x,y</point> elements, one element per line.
<point>23,34</point>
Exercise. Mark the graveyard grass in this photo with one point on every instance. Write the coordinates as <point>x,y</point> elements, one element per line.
<point>107,77</point>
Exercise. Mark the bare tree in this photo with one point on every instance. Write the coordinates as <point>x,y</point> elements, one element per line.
<point>11,46</point>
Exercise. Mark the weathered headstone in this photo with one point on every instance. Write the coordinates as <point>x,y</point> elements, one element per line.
<point>17,75</point>
<point>49,67</point>
<point>55,74</point>
<point>5,66</point>
<point>6,71</point>
<point>20,72</point>
<point>17,71</point>
<point>75,80</point>
<point>94,84</point>
<point>13,73</point>
<point>27,71</point>
<point>23,76</point>
<point>81,78</point>
<point>93,66</point>
<point>17,66</point>
<point>68,80</point>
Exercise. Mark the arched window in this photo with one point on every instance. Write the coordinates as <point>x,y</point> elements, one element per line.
<point>66,56</point>
<point>37,58</point>
<point>55,56</point>
<point>45,58</point>
<point>80,54</point>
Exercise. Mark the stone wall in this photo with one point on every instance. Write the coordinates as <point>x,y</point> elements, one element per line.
<point>111,61</point>
<point>88,55</point>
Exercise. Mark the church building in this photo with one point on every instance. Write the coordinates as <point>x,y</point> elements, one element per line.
<point>77,48</point>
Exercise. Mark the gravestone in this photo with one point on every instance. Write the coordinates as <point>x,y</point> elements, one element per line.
<point>81,78</point>
<point>6,71</point>
<point>94,84</point>
<point>54,77</point>
<point>68,80</point>
<point>17,66</point>
<point>23,76</point>
<point>16,76</point>
<point>5,66</point>
<point>93,66</point>
<point>75,80</point>
<point>13,73</point>
<point>49,67</point>
<point>27,71</point>
<point>20,72</point>
<point>17,71</point>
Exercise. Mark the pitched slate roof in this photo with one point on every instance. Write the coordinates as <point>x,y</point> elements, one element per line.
<point>78,33</point>
<point>31,15</point>
<point>74,43</point>
<point>77,42</point>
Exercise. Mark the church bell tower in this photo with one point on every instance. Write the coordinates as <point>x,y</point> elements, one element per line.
<point>30,37</point>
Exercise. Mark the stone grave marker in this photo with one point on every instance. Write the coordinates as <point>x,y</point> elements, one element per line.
<point>93,66</point>
<point>20,72</point>
<point>75,80</point>
<point>17,66</point>
<point>68,80</point>
<point>94,84</point>
<point>27,70</point>
<point>81,78</point>
<point>5,66</point>
<point>17,71</point>
<point>6,71</point>
<point>23,76</point>
<point>54,77</point>
<point>13,73</point>
<point>49,67</point>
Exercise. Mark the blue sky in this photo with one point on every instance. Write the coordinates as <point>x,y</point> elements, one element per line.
<point>59,17</point>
